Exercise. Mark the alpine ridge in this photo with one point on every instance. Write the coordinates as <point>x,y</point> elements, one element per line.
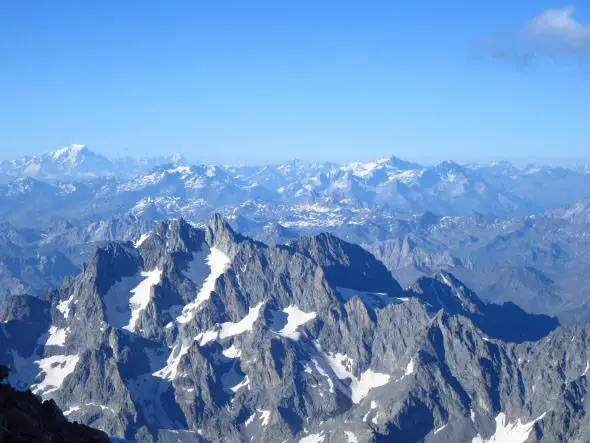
<point>203,334</point>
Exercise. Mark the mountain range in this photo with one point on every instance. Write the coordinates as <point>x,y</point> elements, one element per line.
<point>52,226</point>
<point>158,300</point>
<point>77,178</point>
<point>77,162</point>
<point>206,335</point>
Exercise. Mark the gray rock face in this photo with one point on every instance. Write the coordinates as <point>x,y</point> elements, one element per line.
<point>207,335</point>
<point>537,262</point>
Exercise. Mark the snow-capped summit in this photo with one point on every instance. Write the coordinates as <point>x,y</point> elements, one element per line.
<point>78,162</point>
<point>69,153</point>
<point>70,162</point>
<point>381,165</point>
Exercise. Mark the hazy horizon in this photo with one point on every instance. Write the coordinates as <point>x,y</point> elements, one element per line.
<point>194,158</point>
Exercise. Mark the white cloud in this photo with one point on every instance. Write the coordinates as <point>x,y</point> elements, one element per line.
<point>558,27</point>
<point>554,33</point>
<point>559,22</point>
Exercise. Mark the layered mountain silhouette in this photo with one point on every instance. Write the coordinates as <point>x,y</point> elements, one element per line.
<point>486,224</point>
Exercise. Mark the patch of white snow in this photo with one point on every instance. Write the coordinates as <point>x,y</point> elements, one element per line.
<point>57,336</point>
<point>516,432</point>
<point>137,243</point>
<point>141,297</point>
<point>54,370</point>
<point>295,318</point>
<point>218,263</point>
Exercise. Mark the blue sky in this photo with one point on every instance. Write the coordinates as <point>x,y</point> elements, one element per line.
<point>251,81</point>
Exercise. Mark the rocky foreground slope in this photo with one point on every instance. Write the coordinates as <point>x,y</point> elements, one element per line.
<point>206,335</point>
<point>25,418</point>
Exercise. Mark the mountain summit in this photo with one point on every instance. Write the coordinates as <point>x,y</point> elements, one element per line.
<point>78,162</point>
<point>70,162</point>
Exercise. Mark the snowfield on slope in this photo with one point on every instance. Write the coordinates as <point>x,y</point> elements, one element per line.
<point>218,263</point>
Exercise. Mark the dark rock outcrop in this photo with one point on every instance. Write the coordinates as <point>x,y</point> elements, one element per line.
<point>25,418</point>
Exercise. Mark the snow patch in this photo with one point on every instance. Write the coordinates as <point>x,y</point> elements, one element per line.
<point>351,437</point>
<point>116,300</point>
<point>142,294</point>
<point>410,368</point>
<point>325,374</point>
<point>64,306</point>
<point>250,419</point>
<point>137,243</point>
<point>232,352</point>
<point>71,410</point>
<point>264,417</point>
<point>229,329</point>
<point>170,371</point>
<point>233,381</point>
<point>244,383</point>
<point>341,364</point>
<point>57,336</point>
<point>218,263</point>
<point>313,438</point>
<point>54,370</point>
<point>516,432</point>
<point>446,280</point>
<point>295,318</point>
<point>437,430</point>
<point>87,405</point>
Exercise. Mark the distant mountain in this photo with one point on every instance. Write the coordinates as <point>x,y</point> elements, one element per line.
<point>77,162</point>
<point>88,182</point>
<point>188,331</point>
<point>25,267</point>
<point>537,261</point>
<point>488,224</point>
<point>71,162</point>
<point>544,187</point>
<point>207,335</point>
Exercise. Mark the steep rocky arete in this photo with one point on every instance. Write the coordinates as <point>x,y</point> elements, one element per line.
<point>206,335</point>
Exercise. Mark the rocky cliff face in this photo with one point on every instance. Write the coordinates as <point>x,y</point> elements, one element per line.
<point>25,418</point>
<point>206,335</point>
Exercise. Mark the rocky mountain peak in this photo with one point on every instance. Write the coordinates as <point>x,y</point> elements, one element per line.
<point>215,336</point>
<point>220,233</point>
<point>445,291</point>
<point>348,265</point>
